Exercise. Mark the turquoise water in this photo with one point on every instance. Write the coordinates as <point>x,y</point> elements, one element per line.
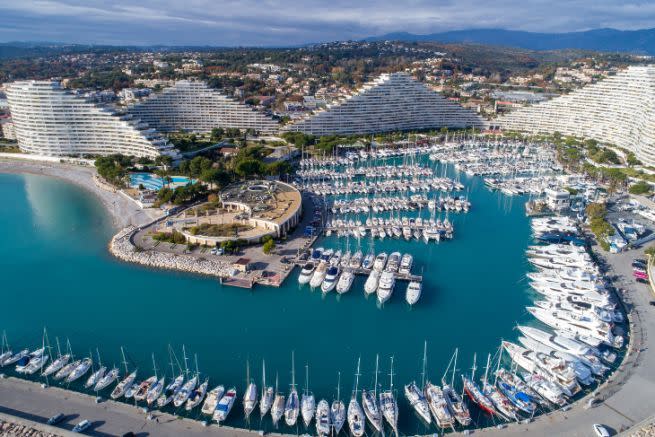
<point>153,182</point>
<point>58,273</point>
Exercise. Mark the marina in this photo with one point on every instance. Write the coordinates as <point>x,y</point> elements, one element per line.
<point>402,369</point>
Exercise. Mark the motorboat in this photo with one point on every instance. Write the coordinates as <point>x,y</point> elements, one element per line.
<point>319,275</point>
<point>371,284</point>
<point>413,293</point>
<point>331,278</point>
<point>406,264</point>
<point>306,273</point>
<point>385,286</point>
<point>345,282</point>
<point>380,261</point>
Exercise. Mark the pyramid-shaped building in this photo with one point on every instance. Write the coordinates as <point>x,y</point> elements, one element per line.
<point>618,110</point>
<point>194,107</point>
<point>391,102</point>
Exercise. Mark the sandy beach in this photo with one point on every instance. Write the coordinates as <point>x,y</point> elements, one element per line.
<point>124,212</point>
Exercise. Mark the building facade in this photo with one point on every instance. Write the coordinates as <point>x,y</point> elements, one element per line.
<point>618,110</point>
<point>49,120</point>
<point>391,102</point>
<point>193,106</point>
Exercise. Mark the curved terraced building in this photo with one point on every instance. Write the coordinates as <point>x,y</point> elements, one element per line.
<point>52,121</point>
<point>194,107</point>
<point>619,110</point>
<point>391,102</point>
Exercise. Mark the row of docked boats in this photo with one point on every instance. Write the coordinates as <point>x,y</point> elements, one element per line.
<point>369,172</point>
<point>378,204</point>
<point>329,270</point>
<point>384,186</point>
<point>409,228</point>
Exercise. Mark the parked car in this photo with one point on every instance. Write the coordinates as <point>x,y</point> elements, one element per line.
<point>82,426</point>
<point>638,263</point>
<point>601,431</point>
<point>641,280</point>
<point>56,419</point>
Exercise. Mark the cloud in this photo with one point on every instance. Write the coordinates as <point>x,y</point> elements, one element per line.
<point>277,22</point>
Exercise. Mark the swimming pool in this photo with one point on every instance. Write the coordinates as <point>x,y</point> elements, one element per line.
<point>153,182</point>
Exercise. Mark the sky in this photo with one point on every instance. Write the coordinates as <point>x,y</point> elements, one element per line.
<point>290,22</point>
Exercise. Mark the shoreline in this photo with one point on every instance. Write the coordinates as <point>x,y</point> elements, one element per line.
<point>122,211</point>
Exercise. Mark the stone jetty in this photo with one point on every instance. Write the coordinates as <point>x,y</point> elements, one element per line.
<point>121,246</point>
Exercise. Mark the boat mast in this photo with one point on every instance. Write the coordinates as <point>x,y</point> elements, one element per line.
<point>195,357</point>
<point>186,360</point>
<point>486,371</point>
<point>58,347</point>
<point>500,355</point>
<point>306,379</point>
<point>293,370</point>
<point>46,340</point>
<point>124,360</point>
<point>263,378</point>
<point>154,365</point>
<point>452,379</point>
<point>391,376</point>
<point>170,357</point>
<point>357,377</point>
<point>473,369</point>
<point>375,387</point>
<point>339,386</point>
<point>425,359</point>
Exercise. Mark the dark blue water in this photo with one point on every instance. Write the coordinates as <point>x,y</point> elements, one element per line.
<point>57,273</point>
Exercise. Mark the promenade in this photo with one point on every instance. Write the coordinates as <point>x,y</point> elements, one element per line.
<point>27,400</point>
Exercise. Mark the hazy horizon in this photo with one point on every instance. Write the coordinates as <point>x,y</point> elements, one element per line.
<point>277,23</point>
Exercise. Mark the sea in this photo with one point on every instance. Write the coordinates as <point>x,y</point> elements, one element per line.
<point>58,274</point>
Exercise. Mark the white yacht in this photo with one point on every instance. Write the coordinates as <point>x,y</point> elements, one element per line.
<point>345,281</point>
<point>368,261</point>
<point>95,377</point>
<point>306,273</point>
<point>394,262</point>
<point>319,275</point>
<point>80,370</point>
<point>380,261</point>
<point>413,293</point>
<point>371,284</point>
<point>406,264</point>
<point>356,260</point>
<point>122,386</point>
<point>385,286</point>
<point>56,365</point>
<point>331,278</point>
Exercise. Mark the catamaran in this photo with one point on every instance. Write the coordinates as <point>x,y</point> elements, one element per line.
<point>356,420</point>
<point>307,402</point>
<point>388,404</point>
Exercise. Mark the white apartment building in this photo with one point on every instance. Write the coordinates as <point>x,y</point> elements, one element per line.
<point>49,120</point>
<point>618,110</point>
<point>391,102</point>
<point>193,106</point>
